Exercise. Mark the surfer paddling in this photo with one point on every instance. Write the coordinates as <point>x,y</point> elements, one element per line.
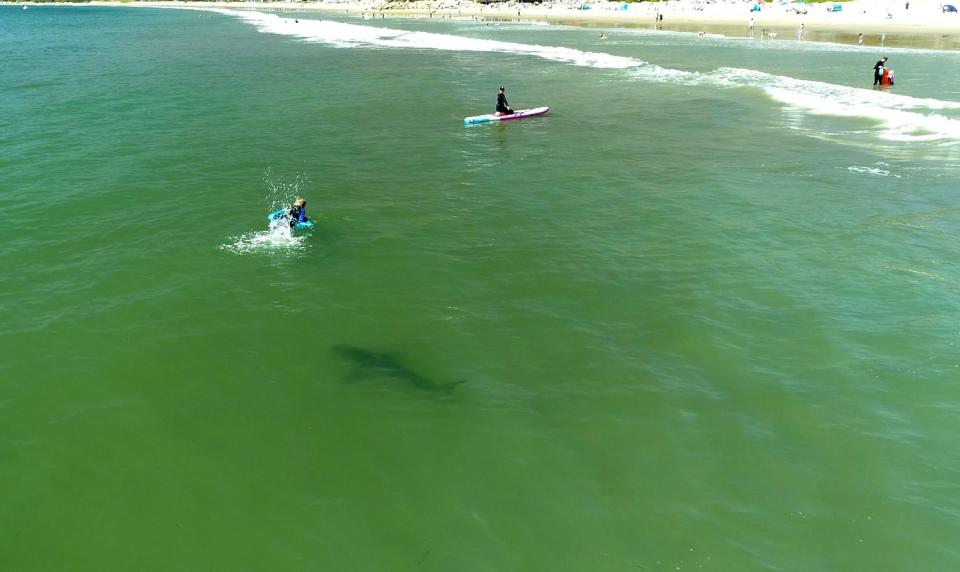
<point>503,108</point>
<point>295,215</point>
<point>298,212</point>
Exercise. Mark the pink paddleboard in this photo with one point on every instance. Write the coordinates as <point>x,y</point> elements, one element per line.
<point>492,117</point>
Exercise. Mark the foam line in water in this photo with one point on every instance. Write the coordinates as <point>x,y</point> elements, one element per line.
<point>349,35</point>
<point>902,118</point>
<point>852,95</point>
<point>875,171</point>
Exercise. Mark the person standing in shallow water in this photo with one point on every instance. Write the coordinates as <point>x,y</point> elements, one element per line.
<point>878,71</point>
<point>503,108</point>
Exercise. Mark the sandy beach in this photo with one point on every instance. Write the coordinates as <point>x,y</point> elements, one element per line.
<point>882,22</point>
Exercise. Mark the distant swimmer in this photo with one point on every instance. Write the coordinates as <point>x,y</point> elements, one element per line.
<point>878,69</point>
<point>298,212</point>
<point>603,36</point>
<point>503,108</point>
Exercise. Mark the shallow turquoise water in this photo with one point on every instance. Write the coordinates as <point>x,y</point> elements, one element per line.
<point>705,311</point>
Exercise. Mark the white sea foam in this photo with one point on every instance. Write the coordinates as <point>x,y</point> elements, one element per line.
<point>875,171</point>
<point>902,118</point>
<point>350,35</point>
<point>849,95</point>
<point>896,124</point>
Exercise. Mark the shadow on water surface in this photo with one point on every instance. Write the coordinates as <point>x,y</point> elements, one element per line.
<point>369,364</point>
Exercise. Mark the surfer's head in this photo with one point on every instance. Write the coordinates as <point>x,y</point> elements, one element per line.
<point>299,202</point>
<point>501,88</point>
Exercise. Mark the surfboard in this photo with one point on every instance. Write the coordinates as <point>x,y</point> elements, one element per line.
<point>492,117</point>
<point>282,212</point>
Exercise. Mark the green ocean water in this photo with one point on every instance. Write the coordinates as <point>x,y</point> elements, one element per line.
<point>702,315</point>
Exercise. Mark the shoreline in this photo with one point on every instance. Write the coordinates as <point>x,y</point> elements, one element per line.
<point>926,27</point>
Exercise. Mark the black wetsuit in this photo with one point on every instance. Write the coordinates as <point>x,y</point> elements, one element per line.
<point>297,214</point>
<point>878,73</point>
<point>502,105</point>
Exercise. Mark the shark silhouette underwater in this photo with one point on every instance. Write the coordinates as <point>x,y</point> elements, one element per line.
<point>370,364</point>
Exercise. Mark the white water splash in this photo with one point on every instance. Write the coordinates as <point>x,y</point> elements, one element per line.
<point>278,237</point>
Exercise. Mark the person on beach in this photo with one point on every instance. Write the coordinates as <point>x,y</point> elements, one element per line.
<point>878,71</point>
<point>298,212</point>
<point>860,40</point>
<point>503,108</point>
